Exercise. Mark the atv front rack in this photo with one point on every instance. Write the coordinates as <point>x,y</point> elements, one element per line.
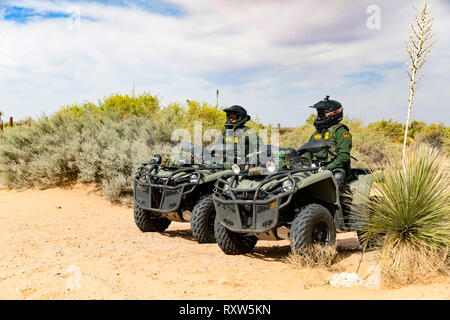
<point>161,193</point>
<point>251,209</point>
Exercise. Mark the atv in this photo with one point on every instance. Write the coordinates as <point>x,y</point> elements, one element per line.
<point>295,200</point>
<point>178,191</point>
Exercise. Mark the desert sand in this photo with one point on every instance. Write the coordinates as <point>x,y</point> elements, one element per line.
<point>73,244</point>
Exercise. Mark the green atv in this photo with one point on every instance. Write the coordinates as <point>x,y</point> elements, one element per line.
<point>178,191</point>
<point>301,203</point>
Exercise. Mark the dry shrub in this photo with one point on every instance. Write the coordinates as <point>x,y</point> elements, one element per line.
<point>313,256</point>
<point>297,137</point>
<point>65,149</point>
<point>407,263</point>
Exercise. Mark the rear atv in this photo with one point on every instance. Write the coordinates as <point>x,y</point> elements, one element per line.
<point>177,192</point>
<point>301,203</point>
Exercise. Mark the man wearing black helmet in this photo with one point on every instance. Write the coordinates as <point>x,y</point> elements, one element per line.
<point>244,139</point>
<point>329,128</point>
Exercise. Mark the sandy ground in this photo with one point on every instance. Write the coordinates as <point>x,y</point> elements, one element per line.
<point>73,244</point>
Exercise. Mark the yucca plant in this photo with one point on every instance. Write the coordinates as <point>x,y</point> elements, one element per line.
<point>410,214</point>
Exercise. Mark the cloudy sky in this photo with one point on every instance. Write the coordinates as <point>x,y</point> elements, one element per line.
<point>274,57</point>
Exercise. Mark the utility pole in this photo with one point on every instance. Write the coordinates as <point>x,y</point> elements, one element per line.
<point>217,98</point>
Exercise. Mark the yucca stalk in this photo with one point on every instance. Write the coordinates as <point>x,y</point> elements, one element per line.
<point>419,49</point>
<point>411,212</point>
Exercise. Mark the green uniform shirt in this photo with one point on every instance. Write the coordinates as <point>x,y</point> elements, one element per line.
<point>340,140</point>
<point>242,137</point>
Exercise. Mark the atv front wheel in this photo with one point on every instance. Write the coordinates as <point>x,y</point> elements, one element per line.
<point>202,220</point>
<point>313,224</point>
<point>147,222</point>
<point>231,242</point>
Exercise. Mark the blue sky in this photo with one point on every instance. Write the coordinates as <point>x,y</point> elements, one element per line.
<point>24,15</point>
<point>275,58</point>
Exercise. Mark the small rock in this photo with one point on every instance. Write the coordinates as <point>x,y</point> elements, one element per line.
<point>373,275</point>
<point>345,279</point>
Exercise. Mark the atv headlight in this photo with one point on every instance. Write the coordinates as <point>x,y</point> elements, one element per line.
<point>236,169</point>
<point>194,178</point>
<point>271,167</point>
<point>182,161</point>
<point>287,185</point>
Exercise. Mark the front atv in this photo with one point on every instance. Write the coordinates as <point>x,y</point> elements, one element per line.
<point>301,204</point>
<point>181,192</point>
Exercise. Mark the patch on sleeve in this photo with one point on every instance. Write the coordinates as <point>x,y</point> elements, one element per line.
<point>346,135</point>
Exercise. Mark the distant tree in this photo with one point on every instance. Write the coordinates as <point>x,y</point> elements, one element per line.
<point>419,48</point>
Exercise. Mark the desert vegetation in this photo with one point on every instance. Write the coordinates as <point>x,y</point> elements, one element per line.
<point>409,218</point>
<point>104,144</point>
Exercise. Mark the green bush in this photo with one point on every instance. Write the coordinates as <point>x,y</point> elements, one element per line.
<point>66,149</point>
<point>123,106</point>
<point>393,130</point>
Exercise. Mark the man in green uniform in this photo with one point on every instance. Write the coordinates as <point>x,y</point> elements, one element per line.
<point>329,128</point>
<point>244,139</point>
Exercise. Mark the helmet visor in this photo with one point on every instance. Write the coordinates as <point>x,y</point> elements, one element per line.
<point>232,117</point>
<point>321,114</point>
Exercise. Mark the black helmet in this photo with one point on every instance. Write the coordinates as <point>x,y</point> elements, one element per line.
<point>243,117</point>
<point>329,113</point>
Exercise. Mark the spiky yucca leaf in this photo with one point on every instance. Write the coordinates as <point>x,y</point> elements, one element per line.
<point>412,208</point>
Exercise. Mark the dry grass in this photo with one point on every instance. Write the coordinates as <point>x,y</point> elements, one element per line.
<point>407,263</point>
<point>315,256</point>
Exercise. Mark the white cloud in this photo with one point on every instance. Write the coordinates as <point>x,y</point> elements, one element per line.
<point>273,57</point>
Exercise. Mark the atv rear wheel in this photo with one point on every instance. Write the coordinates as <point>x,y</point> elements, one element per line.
<point>147,222</point>
<point>313,224</point>
<point>233,243</point>
<point>202,220</point>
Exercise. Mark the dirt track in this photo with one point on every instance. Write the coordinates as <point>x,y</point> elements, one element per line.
<point>73,244</point>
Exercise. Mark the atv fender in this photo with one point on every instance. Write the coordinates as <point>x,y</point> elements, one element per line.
<point>213,176</point>
<point>324,187</point>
